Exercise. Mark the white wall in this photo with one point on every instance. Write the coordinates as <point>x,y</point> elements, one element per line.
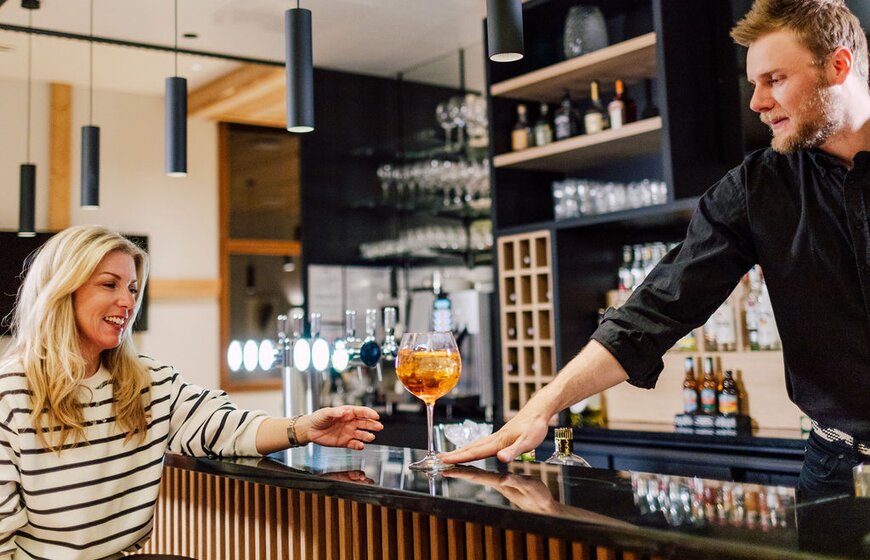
<point>179,215</point>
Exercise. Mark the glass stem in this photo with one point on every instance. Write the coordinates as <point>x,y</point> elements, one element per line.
<point>430,411</point>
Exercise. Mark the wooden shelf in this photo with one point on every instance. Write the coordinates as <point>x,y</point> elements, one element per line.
<point>630,61</point>
<point>637,138</point>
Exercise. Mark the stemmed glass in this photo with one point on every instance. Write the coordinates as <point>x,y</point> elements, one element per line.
<point>428,365</point>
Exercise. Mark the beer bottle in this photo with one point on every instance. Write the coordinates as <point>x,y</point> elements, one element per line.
<point>729,396</point>
<point>708,389</point>
<point>690,388</point>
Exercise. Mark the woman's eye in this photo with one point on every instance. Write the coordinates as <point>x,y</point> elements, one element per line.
<point>109,285</point>
<point>134,290</point>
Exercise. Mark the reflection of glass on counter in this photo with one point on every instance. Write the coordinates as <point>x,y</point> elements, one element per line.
<point>685,501</point>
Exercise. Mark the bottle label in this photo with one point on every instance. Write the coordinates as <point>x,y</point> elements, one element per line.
<point>594,122</point>
<point>708,401</point>
<point>728,403</point>
<point>617,117</point>
<point>519,140</point>
<point>690,401</point>
<point>563,126</point>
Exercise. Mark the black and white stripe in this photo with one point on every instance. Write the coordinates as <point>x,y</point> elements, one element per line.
<point>96,499</point>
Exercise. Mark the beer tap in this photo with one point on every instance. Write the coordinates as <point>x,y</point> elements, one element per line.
<point>319,346</point>
<point>389,347</point>
<point>370,350</point>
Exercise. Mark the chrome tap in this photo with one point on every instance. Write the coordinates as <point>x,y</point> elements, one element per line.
<point>389,347</point>
<point>370,350</point>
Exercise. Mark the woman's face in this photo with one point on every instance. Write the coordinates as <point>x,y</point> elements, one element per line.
<point>103,305</point>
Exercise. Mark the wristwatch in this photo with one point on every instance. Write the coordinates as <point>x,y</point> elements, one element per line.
<point>291,431</point>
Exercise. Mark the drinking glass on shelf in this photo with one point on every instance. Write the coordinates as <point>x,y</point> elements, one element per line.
<point>428,365</point>
<point>445,120</point>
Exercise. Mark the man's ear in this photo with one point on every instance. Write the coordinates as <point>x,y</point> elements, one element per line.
<point>839,66</point>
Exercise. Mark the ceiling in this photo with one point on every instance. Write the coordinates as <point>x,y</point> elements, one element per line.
<point>376,37</point>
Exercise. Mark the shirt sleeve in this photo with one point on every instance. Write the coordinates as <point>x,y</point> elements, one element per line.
<point>13,516</point>
<point>687,286</point>
<point>204,423</point>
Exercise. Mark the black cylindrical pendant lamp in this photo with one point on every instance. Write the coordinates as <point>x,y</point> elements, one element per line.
<point>504,30</point>
<point>299,70</point>
<point>90,196</point>
<point>27,201</point>
<point>176,127</point>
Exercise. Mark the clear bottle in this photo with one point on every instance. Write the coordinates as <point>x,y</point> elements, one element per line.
<point>521,135</point>
<point>564,453</point>
<point>626,281</point>
<point>751,308</point>
<point>637,272</point>
<point>543,131</point>
<point>616,108</point>
<point>768,334</point>
<point>566,123</point>
<point>595,119</point>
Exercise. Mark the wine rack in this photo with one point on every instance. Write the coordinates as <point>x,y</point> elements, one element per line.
<point>526,309</point>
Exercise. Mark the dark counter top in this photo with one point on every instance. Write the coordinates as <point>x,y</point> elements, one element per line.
<point>674,517</point>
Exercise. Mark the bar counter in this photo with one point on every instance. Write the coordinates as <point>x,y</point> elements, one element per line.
<point>315,502</point>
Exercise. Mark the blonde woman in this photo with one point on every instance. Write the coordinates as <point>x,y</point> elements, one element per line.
<point>85,421</point>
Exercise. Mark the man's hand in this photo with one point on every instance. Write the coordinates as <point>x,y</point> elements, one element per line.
<point>522,433</point>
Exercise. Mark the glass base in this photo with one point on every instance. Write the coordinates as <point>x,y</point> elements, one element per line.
<point>430,463</point>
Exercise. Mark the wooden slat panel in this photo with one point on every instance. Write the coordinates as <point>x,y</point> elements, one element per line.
<point>581,551</point>
<point>293,513</point>
<point>557,549</point>
<point>455,539</point>
<point>420,528</point>
<point>605,553</point>
<point>494,543</point>
<point>60,157</point>
<point>331,522</point>
<point>628,555</point>
<point>264,247</point>
<point>535,547</point>
<point>374,544</point>
<point>389,534</point>
<point>358,530</point>
<point>318,517</point>
<point>305,531</point>
<point>474,541</point>
<point>437,538</point>
<point>183,288</point>
<point>514,545</point>
<point>345,535</point>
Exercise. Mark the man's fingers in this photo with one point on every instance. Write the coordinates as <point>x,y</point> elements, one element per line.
<point>486,447</point>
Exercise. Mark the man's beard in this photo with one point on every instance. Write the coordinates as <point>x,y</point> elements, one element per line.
<point>818,120</point>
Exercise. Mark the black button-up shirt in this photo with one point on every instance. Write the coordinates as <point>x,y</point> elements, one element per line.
<point>803,218</point>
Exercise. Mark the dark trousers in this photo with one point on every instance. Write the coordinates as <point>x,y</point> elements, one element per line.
<point>827,469</point>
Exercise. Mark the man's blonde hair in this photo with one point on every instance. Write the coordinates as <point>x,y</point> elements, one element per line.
<point>820,25</point>
<point>46,339</point>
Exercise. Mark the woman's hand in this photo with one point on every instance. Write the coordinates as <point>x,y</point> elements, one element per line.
<point>342,426</point>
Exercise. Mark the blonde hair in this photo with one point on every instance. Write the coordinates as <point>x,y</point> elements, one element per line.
<point>820,25</point>
<point>46,340</point>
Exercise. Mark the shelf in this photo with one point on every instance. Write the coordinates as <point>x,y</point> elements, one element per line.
<point>470,212</point>
<point>660,214</point>
<point>630,61</point>
<point>587,150</point>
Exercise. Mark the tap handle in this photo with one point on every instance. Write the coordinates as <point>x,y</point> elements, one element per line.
<point>371,322</point>
<point>282,326</point>
<point>350,324</point>
<point>314,323</point>
<point>389,320</point>
<point>297,316</point>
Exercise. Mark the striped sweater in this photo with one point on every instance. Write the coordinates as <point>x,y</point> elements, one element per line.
<point>96,500</point>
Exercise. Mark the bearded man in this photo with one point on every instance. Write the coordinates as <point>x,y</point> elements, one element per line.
<point>800,209</point>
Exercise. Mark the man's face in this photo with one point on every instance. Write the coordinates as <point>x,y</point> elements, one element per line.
<point>791,95</point>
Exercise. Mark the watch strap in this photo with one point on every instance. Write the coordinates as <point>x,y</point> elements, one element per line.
<point>291,431</point>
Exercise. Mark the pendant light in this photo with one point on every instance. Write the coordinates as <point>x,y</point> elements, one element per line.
<point>27,174</point>
<point>90,190</point>
<point>299,69</point>
<point>175,111</point>
<point>504,30</point>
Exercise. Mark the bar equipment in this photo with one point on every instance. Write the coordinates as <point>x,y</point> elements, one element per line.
<point>301,391</point>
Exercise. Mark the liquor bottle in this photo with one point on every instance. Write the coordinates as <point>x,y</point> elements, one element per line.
<point>709,389</point>
<point>768,334</point>
<point>565,119</point>
<point>616,108</point>
<point>637,272</point>
<point>649,109</point>
<point>751,308</point>
<point>543,131</point>
<point>595,118</point>
<point>594,414</point>
<point>729,396</point>
<point>564,453</point>
<point>521,136</point>
<point>626,281</point>
<point>726,326</point>
<point>690,388</point>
